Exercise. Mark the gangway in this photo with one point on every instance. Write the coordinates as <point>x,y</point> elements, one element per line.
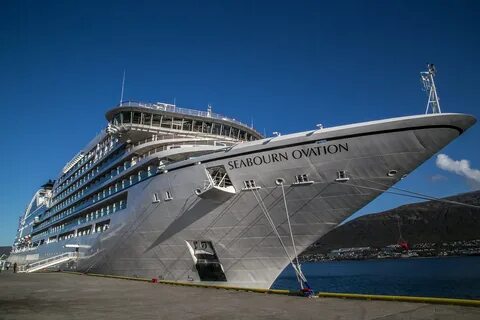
<point>50,262</point>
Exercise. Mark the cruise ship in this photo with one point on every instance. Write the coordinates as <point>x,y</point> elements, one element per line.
<point>193,196</point>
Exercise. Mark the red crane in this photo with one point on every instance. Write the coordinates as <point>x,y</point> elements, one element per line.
<point>402,242</point>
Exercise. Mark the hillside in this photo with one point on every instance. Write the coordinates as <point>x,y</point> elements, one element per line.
<point>426,222</point>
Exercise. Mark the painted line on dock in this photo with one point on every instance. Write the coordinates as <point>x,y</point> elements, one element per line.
<point>430,300</point>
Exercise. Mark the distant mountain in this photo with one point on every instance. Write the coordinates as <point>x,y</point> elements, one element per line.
<point>5,251</point>
<point>425,222</point>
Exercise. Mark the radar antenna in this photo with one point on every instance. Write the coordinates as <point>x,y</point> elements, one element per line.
<point>429,86</point>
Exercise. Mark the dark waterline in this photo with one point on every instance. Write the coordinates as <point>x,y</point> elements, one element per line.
<point>452,277</point>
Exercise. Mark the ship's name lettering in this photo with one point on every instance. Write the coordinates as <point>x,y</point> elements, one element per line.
<point>285,156</point>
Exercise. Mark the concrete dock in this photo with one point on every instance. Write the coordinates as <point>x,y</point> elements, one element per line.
<point>71,296</point>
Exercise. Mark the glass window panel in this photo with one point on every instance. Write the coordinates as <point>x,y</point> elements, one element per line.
<point>216,128</point>
<point>167,122</point>
<point>127,117</point>
<point>177,123</point>
<point>226,130</point>
<point>187,124</point>
<point>197,126</point>
<point>147,119</point>
<point>117,119</point>
<point>207,127</point>
<point>156,120</point>
<point>234,133</point>
<point>137,116</point>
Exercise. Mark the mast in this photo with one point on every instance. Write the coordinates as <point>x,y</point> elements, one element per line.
<point>429,86</point>
<point>123,87</point>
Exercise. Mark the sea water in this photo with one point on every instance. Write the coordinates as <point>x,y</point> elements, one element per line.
<point>453,277</point>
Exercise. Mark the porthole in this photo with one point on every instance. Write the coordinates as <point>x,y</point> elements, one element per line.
<point>198,191</point>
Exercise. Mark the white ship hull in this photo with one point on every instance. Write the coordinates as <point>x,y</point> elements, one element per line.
<point>151,238</point>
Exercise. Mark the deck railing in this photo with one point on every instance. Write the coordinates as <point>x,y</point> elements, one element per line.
<point>185,111</point>
<point>49,262</point>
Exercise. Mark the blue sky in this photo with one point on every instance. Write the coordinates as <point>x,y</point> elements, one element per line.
<point>286,66</point>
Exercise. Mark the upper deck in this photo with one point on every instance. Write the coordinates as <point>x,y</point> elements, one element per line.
<point>171,117</point>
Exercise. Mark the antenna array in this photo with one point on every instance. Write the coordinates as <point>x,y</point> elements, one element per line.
<point>429,86</point>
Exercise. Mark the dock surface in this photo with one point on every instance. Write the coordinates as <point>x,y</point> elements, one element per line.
<point>71,296</point>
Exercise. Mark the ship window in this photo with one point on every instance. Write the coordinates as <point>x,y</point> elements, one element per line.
<point>136,117</point>
<point>207,127</point>
<point>216,129</point>
<point>168,196</point>
<point>187,124</point>
<point>250,184</point>
<point>127,117</point>
<point>167,122</point>
<point>302,179</point>
<point>342,176</point>
<point>235,133</point>
<point>156,120</point>
<point>177,123</point>
<point>117,119</point>
<point>226,131</point>
<point>197,126</point>
<point>147,119</point>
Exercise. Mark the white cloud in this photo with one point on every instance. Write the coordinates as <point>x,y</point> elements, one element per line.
<point>460,167</point>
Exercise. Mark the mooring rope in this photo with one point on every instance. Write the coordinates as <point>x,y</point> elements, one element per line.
<point>300,277</point>
<point>423,196</point>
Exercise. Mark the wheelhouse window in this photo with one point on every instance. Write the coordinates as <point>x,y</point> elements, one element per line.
<point>197,126</point>
<point>226,131</point>
<point>177,123</point>
<point>207,127</point>
<point>156,120</point>
<point>127,117</point>
<point>147,119</point>
<point>137,116</point>
<point>117,120</point>
<point>217,129</point>
<point>167,122</point>
<point>187,124</point>
<point>235,133</point>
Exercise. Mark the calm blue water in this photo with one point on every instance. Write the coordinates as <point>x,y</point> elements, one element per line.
<point>453,277</point>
